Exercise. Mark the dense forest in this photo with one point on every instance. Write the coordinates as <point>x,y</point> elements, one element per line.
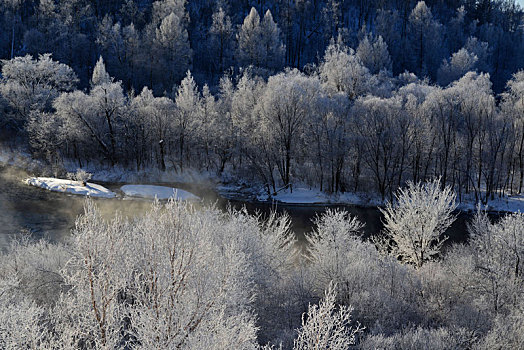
<point>419,103</point>
<point>153,44</point>
<point>337,95</point>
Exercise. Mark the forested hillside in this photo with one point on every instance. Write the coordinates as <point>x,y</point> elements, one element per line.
<point>415,105</point>
<point>337,95</point>
<point>147,43</point>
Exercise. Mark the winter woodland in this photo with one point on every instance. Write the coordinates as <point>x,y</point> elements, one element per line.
<point>420,104</point>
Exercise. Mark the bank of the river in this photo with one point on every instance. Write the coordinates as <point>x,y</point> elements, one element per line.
<point>208,185</point>
<point>229,187</point>
<point>50,214</point>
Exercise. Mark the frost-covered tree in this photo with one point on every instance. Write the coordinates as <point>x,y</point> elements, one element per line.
<point>391,27</point>
<point>331,246</point>
<point>373,53</point>
<point>459,64</point>
<point>507,332</point>
<point>155,121</point>
<point>456,30</point>
<point>98,114</point>
<point>21,326</point>
<point>31,84</point>
<point>44,136</point>
<point>208,125</point>
<point>440,106</point>
<point>513,106</point>
<point>342,71</point>
<point>248,38</point>
<point>12,7</point>
<point>474,104</point>
<point>331,18</point>
<point>259,42</point>
<point>324,327</point>
<point>415,221</point>
<point>172,40</point>
<point>482,51</point>
<point>121,45</point>
<point>273,49</point>
<point>498,251</point>
<point>422,130</point>
<point>30,286</point>
<point>365,280</point>
<point>188,102</point>
<point>163,8</point>
<point>221,32</point>
<point>163,111</point>
<point>224,137</point>
<point>425,36</point>
<point>380,124</point>
<point>284,111</point>
<point>100,75</point>
<point>244,102</point>
<point>168,284</point>
<point>329,140</point>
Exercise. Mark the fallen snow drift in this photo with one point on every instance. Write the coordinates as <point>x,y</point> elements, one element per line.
<point>160,192</point>
<point>314,196</point>
<point>511,204</point>
<point>301,196</point>
<point>70,186</point>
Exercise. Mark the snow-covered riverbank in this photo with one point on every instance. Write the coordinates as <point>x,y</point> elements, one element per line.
<point>70,186</point>
<point>228,188</point>
<point>95,190</point>
<point>314,197</point>
<point>311,196</point>
<point>511,204</point>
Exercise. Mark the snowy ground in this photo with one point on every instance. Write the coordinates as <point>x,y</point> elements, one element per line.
<point>94,190</point>
<point>303,195</point>
<point>159,192</point>
<point>70,186</point>
<point>244,192</point>
<point>313,196</point>
<point>511,204</point>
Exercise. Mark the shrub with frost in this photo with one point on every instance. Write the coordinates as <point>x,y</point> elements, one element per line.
<point>327,326</point>
<point>416,220</point>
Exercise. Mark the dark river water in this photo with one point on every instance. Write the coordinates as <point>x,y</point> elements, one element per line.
<point>52,215</point>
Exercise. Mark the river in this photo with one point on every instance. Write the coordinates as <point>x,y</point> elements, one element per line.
<point>52,215</point>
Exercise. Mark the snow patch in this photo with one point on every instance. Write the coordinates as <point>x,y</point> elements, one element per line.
<point>160,192</point>
<point>300,196</point>
<point>315,196</point>
<point>70,186</point>
<point>511,204</point>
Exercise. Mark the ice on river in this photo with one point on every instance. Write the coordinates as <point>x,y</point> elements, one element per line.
<point>70,186</point>
<point>160,192</point>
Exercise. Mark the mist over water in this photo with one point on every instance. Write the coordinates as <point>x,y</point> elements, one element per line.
<point>47,214</point>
